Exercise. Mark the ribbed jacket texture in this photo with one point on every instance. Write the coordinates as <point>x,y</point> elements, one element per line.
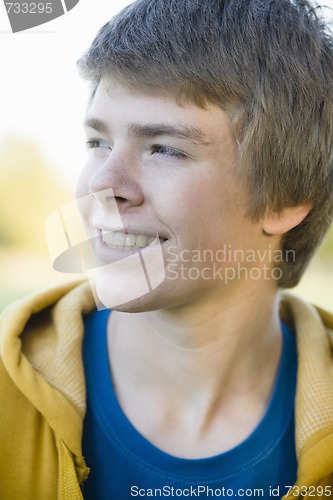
<point>42,394</point>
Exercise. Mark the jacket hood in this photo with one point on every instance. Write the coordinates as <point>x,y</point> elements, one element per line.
<point>40,346</point>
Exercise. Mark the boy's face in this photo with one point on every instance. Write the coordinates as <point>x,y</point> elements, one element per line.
<point>172,168</point>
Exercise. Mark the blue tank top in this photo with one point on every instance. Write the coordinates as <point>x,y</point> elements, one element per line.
<point>124,465</point>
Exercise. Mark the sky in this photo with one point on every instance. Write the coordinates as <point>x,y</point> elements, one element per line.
<point>41,95</point>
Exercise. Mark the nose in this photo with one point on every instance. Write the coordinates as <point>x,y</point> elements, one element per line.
<point>118,178</point>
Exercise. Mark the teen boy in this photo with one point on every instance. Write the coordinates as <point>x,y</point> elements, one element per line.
<point>210,129</point>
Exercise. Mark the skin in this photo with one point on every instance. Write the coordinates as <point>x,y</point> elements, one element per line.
<point>190,355</point>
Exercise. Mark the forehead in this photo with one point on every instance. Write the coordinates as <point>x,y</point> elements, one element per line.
<point>115,104</point>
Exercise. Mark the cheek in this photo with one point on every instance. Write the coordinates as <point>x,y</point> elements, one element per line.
<point>83,200</point>
<point>203,200</point>
<point>82,185</point>
<point>185,193</point>
<point>210,212</point>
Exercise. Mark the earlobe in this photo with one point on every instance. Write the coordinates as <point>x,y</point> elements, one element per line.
<point>277,223</point>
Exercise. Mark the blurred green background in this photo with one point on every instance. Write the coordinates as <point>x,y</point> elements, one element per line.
<point>30,190</point>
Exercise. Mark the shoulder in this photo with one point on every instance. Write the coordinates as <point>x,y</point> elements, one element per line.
<point>314,394</point>
<point>75,297</point>
<point>304,317</point>
<point>40,343</point>
<point>42,387</point>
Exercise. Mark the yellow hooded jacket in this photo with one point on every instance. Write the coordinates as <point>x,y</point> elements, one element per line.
<point>43,395</point>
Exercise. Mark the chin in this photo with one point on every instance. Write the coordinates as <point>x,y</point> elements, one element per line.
<point>130,283</point>
<point>148,302</point>
<point>126,293</point>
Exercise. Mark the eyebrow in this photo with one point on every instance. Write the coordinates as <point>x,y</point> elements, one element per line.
<point>97,125</point>
<point>138,130</point>
<point>183,132</point>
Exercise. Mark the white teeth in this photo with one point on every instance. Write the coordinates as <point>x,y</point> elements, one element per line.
<point>130,240</point>
<point>142,241</point>
<point>120,240</point>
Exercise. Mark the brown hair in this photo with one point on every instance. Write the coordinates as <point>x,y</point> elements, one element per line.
<point>269,65</point>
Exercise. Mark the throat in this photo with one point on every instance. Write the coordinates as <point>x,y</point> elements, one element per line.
<point>181,399</point>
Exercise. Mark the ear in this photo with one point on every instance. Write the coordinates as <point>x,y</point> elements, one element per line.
<point>275,223</point>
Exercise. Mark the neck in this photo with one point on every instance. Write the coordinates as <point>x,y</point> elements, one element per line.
<point>196,362</point>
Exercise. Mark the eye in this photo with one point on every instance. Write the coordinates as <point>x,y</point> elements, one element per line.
<point>167,151</point>
<point>98,149</point>
<point>96,143</point>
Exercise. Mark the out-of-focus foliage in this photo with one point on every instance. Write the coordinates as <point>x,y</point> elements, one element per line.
<point>326,249</point>
<point>29,191</point>
<point>316,285</point>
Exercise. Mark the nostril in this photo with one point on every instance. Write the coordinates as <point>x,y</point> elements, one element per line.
<point>120,199</point>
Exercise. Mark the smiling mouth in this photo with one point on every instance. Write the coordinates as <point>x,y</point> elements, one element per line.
<point>126,241</point>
